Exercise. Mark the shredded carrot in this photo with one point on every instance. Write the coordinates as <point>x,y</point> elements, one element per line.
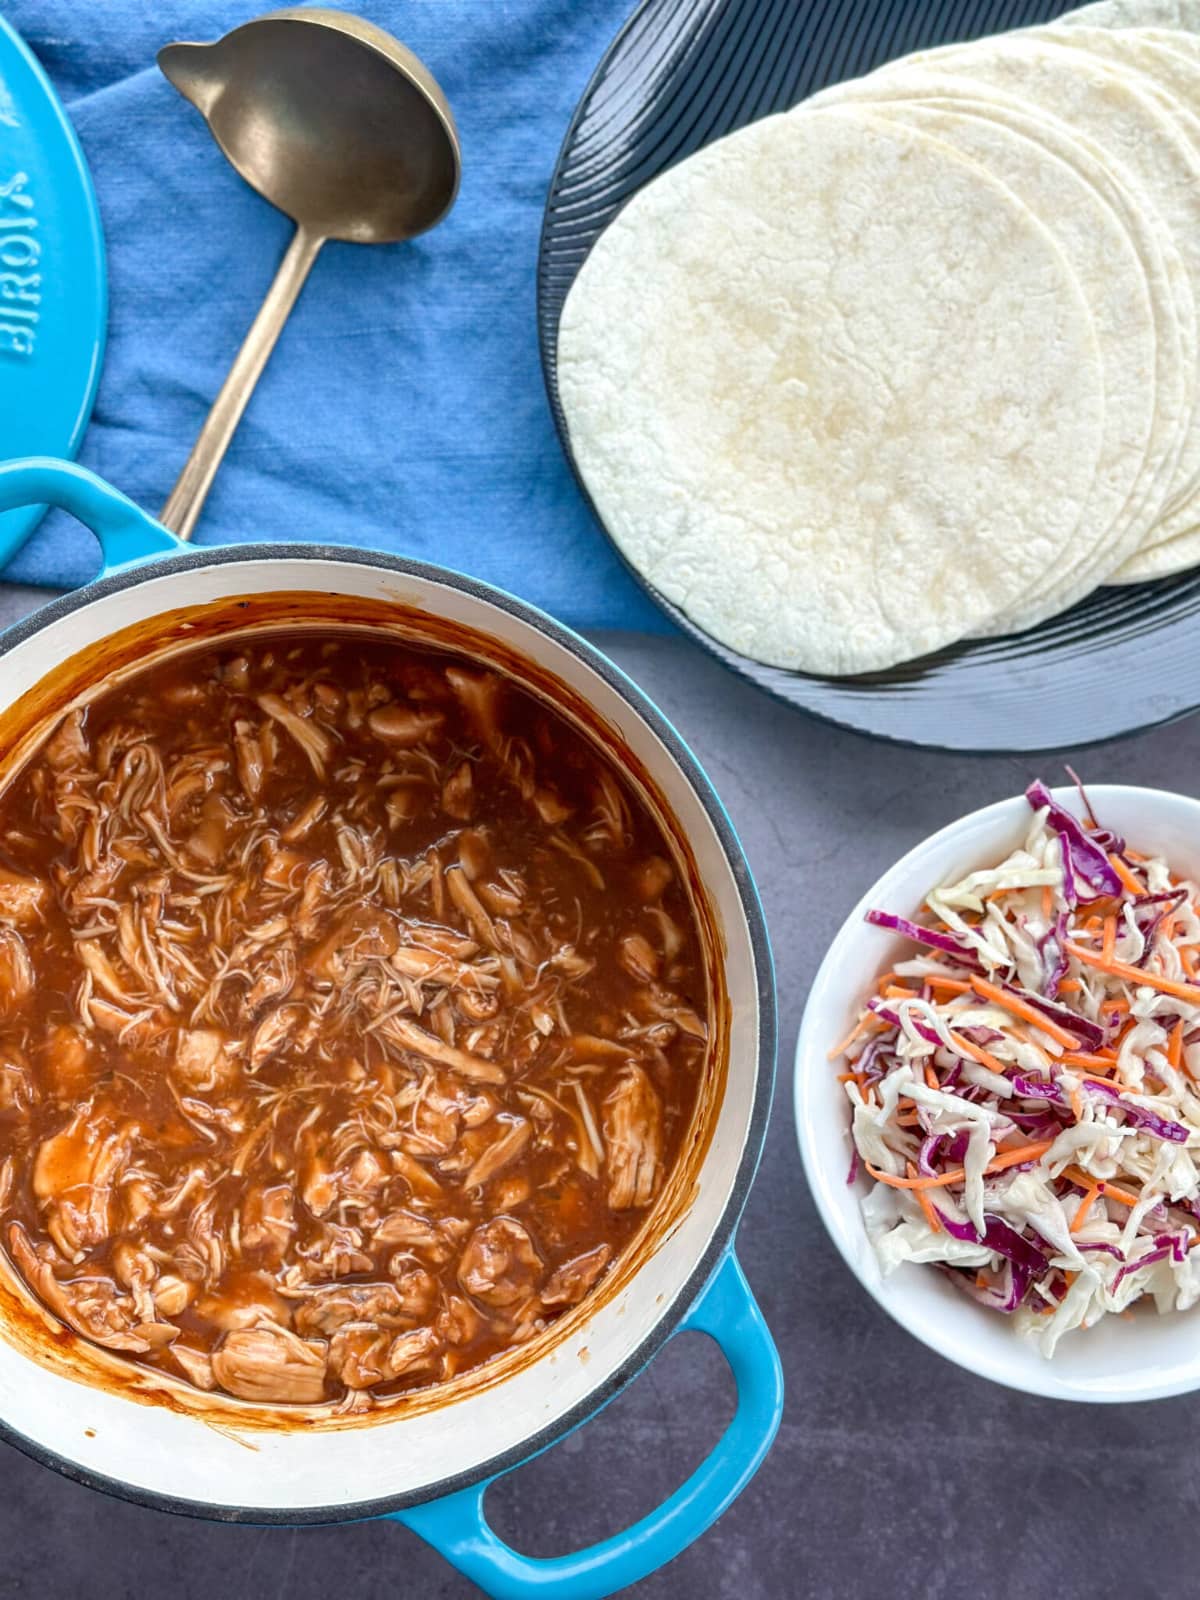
<point>1136,855</point>
<point>1079,1058</point>
<point>1122,969</point>
<point>977,1053</point>
<point>899,991</point>
<point>1020,1008</point>
<point>1108,1190</point>
<point>1076,1100</point>
<point>931,1077</point>
<point>1070,986</point>
<point>1187,960</point>
<point>950,985</point>
<point>926,1204</point>
<point>1010,1158</point>
<point>1085,1205</point>
<point>1175,1045</point>
<point>1123,872</point>
<point>852,1077</point>
<point>1047,902</point>
<point>1110,938</point>
<point>867,1020</point>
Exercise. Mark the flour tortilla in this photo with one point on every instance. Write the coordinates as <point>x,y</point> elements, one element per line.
<point>1183,15</point>
<point>1155,157</point>
<point>1173,59</point>
<point>1124,501</point>
<point>1174,80</point>
<point>1170,291</point>
<point>1175,545</point>
<point>1160,560</point>
<point>834,390</point>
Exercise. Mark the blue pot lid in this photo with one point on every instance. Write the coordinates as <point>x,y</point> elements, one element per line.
<point>53,284</point>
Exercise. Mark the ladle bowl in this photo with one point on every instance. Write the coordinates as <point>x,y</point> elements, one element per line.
<point>344,130</point>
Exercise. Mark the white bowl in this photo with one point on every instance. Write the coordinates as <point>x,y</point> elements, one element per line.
<point>1143,1357</point>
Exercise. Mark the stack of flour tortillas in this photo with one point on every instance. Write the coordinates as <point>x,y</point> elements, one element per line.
<point>916,361</point>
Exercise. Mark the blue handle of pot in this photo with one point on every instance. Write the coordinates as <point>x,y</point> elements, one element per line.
<point>457,1528</point>
<point>127,534</point>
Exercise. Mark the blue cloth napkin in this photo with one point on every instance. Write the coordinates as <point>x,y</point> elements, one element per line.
<point>403,408</point>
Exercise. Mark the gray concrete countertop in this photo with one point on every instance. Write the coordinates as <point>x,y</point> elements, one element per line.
<point>894,1473</point>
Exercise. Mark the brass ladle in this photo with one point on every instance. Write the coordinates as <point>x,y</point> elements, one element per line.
<point>337,124</point>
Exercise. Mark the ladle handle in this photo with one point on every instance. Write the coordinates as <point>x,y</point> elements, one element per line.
<point>187,498</point>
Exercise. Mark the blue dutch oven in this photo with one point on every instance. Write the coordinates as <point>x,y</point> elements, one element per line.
<point>429,1467</point>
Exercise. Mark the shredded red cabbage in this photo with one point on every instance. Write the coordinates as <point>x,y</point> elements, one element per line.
<point>1004,1297</point>
<point>921,1029</point>
<point>1052,947</point>
<point>1158,1252</point>
<point>1087,872</point>
<point>1001,1239</point>
<point>1006,1241</point>
<point>1099,1244</point>
<point>983,1036</point>
<point>1104,837</point>
<point>926,936</point>
<point>1155,1125</point>
<point>1166,904</point>
<point>1040,1125</point>
<point>1035,1089</point>
<point>956,1149</point>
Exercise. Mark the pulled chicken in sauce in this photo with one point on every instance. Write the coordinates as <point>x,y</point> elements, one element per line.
<point>352,1014</point>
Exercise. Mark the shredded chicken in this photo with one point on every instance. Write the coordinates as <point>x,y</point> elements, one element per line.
<point>351,1014</point>
<point>312,738</point>
<point>269,1363</point>
<point>569,1283</point>
<point>73,1175</point>
<point>201,1062</point>
<point>500,1263</point>
<point>404,726</point>
<point>325,1310</point>
<point>16,970</point>
<point>22,899</point>
<point>633,1136</point>
<point>505,1148</point>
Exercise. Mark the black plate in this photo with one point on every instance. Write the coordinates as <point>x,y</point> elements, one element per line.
<point>682,73</point>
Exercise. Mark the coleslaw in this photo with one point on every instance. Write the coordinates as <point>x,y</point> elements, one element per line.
<point>1025,1087</point>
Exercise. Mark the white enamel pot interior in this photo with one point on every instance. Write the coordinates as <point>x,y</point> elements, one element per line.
<point>178,1462</point>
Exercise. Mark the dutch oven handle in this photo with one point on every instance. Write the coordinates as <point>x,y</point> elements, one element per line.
<point>457,1528</point>
<point>127,534</point>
